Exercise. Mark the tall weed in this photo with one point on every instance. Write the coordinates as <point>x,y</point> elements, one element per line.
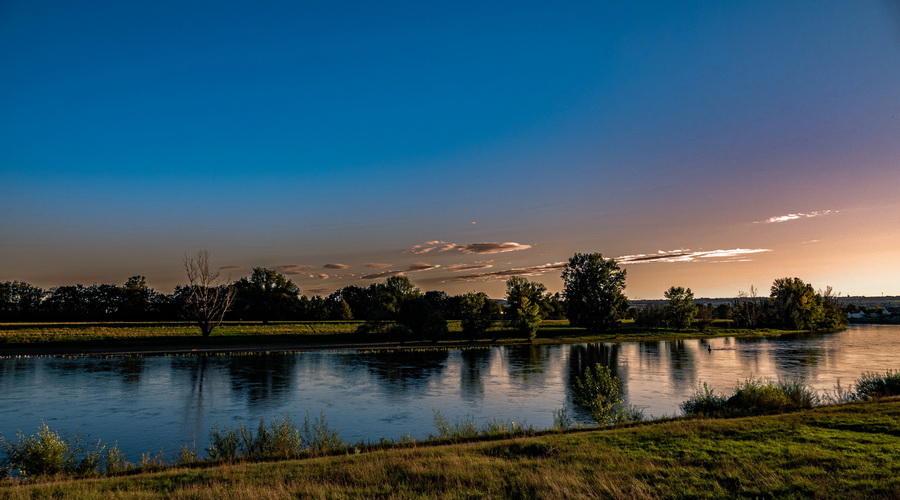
<point>878,385</point>
<point>752,397</point>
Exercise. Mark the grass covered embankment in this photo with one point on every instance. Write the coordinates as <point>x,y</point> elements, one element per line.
<point>112,338</point>
<point>845,451</point>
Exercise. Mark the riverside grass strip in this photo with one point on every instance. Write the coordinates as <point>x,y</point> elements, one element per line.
<point>845,451</point>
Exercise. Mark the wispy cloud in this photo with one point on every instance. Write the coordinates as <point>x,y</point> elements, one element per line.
<point>477,248</point>
<point>378,265</point>
<point>519,271</point>
<point>383,274</point>
<point>686,255</point>
<point>456,268</point>
<point>294,269</point>
<point>231,268</point>
<point>323,276</point>
<point>785,218</point>
<point>335,266</point>
<point>413,268</point>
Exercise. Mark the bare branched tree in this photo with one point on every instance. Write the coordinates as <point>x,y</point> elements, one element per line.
<point>208,298</point>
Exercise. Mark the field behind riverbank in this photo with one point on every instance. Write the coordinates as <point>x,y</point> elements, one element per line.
<point>93,338</point>
<point>845,451</point>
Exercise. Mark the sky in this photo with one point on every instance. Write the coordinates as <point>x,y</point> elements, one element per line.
<point>711,145</point>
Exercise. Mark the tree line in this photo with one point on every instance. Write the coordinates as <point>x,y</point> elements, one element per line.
<point>593,298</point>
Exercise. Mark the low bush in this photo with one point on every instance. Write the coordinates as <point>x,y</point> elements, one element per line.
<point>878,385</point>
<point>704,402</point>
<point>47,453</point>
<point>752,397</point>
<point>280,439</point>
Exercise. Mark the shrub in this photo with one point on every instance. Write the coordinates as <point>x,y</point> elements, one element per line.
<point>460,429</point>
<point>878,385</point>
<point>598,390</point>
<point>705,402</point>
<point>316,436</point>
<point>281,438</point>
<point>752,397</point>
<point>47,453</point>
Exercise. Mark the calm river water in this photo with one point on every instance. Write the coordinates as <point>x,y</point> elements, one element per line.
<point>153,402</point>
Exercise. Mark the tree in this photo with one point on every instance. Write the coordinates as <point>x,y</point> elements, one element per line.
<point>478,313</point>
<point>527,319</point>
<point>135,299</point>
<point>206,297</point>
<point>19,301</point>
<point>266,295</point>
<point>387,298</point>
<point>747,309</point>
<point>593,292</point>
<point>422,318</point>
<point>796,305</point>
<point>680,310</point>
<point>523,305</point>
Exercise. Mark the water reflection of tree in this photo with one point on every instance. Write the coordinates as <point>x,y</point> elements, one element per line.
<point>798,356</point>
<point>400,370</point>
<point>128,369</point>
<point>194,408</point>
<point>262,378</point>
<point>583,356</point>
<point>526,364</point>
<point>474,363</point>
<point>683,368</point>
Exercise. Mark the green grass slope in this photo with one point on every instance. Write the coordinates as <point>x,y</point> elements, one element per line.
<point>846,451</point>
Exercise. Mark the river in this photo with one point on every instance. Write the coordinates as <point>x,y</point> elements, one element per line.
<point>153,402</point>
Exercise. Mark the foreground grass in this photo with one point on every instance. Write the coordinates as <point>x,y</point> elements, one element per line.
<point>847,451</point>
<point>75,338</point>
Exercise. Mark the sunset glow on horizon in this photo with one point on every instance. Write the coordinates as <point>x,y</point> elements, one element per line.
<point>709,145</point>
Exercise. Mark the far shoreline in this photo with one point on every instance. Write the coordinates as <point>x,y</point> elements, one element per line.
<point>295,343</point>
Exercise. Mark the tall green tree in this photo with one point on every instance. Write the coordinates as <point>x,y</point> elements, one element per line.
<point>386,299</point>
<point>680,310</point>
<point>266,295</point>
<point>478,313</point>
<point>795,304</point>
<point>593,292</point>
<point>523,305</point>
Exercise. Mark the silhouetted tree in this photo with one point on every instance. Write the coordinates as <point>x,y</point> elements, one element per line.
<point>206,298</point>
<point>478,313</point>
<point>593,292</point>
<point>19,301</point>
<point>266,295</point>
<point>680,309</point>
<point>518,288</point>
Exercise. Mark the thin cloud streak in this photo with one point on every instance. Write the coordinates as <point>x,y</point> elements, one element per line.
<point>438,246</point>
<point>686,255</point>
<point>294,269</point>
<point>378,265</point>
<point>785,218</point>
<point>520,271</point>
<point>335,266</point>
<point>415,267</point>
<point>456,268</point>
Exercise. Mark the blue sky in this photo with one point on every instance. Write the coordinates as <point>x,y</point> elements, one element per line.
<point>298,134</point>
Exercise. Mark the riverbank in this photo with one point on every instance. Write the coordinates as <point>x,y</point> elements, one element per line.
<point>64,339</point>
<point>844,451</point>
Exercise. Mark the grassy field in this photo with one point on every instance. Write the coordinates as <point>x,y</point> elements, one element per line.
<point>74,338</point>
<point>846,451</point>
